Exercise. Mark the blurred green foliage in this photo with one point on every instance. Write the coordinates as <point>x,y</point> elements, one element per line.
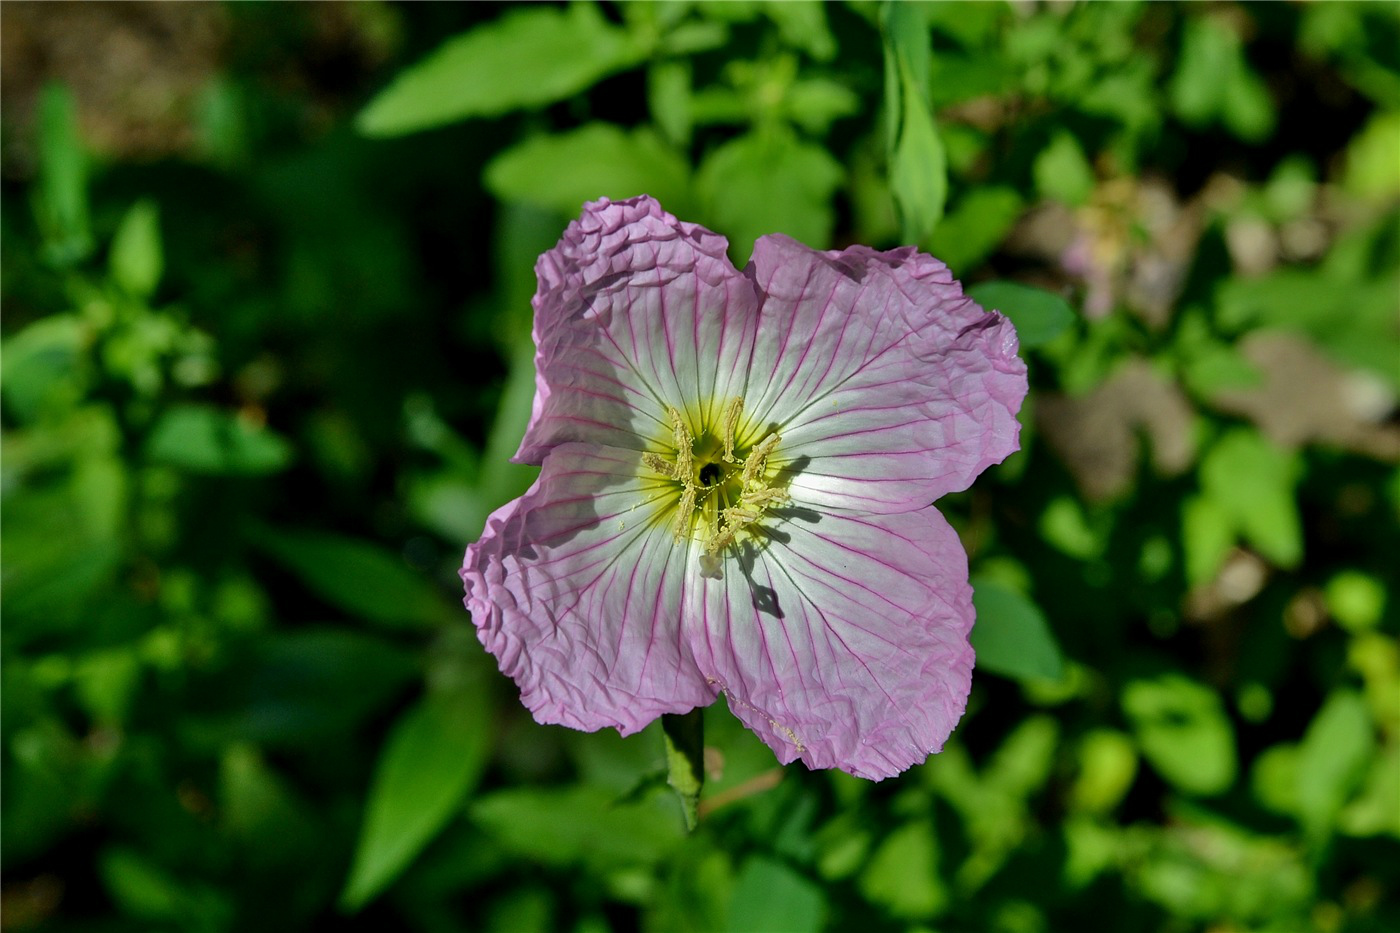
<point>261,386</point>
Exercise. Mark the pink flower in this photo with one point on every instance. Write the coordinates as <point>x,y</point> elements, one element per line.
<point>737,471</point>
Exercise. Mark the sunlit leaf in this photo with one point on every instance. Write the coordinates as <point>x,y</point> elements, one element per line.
<point>580,825</point>
<point>529,57</point>
<point>1183,731</point>
<point>769,181</point>
<point>1332,759</point>
<point>1207,536</point>
<point>1107,765</point>
<point>429,763</point>
<point>1011,636</point>
<point>1251,480</point>
<point>902,874</point>
<point>44,366</point>
<point>977,225</point>
<point>136,259</point>
<point>918,163</point>
<point>1214,81</point>
<point>1039,316</point>
<point>204,439</point>
<point>62,206</point>
<point>561,172</point>
<point>770,896</point>
<point>1356,600</point>
<point>685,765</point>
<point>1062,171</point>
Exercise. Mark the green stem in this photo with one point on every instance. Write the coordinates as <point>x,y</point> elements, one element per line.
<point>685,759</point>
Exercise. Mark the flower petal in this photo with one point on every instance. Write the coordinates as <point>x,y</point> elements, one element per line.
<point>888,384</point>
<point>575,588</point>
<point>635,312</point>
<point>843,639</point>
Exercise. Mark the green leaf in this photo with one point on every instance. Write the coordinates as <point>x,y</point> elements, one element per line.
<point>563,171</point>
<point>668,99</point>
<point>919,168</point>
<point>1183,732</point>
<point>501,480</point>
<point>358,576</point>
<point>1213,81</point>
<point>135,259</point>
<point>43,366</point>
<point>976,226</point>
<point>433,757</point>
<point>802,25</point>
<point>62,201</point>
<point>1039,316</point>
<point>303,687</point>
<point>1062,172</point>
<point>1216,368</point>
<point>1107,765</point>
<point>769,181</point>
<point>685,764</point>
<point>918,162</point>
<point>770,896</point>
<point>902,875</point>
<point>261,813</point>
<point>1356,600</point>
<point>1011,636</point>
<point>1252,480</point>
<point>1207,535</point>
<point>580,825</point>
<point>204,439</point>
<point>1371,157</point>
<point>1332,759</point>
<point>529,57</point>
<point>815,103</point>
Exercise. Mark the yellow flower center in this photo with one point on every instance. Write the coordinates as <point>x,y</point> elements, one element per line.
<point>722,476</point>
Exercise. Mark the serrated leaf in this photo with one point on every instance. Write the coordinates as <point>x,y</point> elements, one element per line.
<point>358,576</point>
<point>204,439</point>
<point>430,762</point>
<point>1011,636</point>
<point>563,171</point>
<point>527,58</point>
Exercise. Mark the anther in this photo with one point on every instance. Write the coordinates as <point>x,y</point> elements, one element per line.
<point>757,460</point>
<point>660,465</point>
<point>732,412</point>
<point>687,506</point>
<point>685,465</point>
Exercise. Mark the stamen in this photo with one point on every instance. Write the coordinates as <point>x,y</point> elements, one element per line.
<point>660,464</point>
<point>757,460</point>
<point>685,464</point>
<point>686,507</point>
<point>732,412</point>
